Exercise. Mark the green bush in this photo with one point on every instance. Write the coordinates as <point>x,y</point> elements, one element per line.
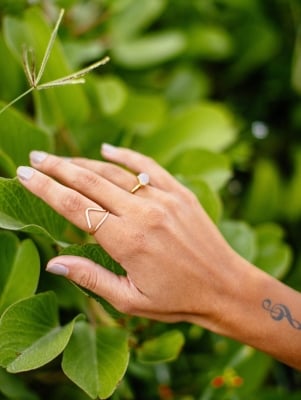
<point>211,90</point>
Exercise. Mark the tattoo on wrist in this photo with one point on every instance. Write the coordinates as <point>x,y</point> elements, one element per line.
<point>279,312</point>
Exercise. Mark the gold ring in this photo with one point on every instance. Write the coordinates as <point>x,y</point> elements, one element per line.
<point>143,180</point>
<point>88,212</point>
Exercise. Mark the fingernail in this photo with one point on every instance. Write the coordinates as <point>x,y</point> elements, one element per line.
<point>25,173</point>
<point>37,156</point>
<point>107,148</point>
<point>57,269</point>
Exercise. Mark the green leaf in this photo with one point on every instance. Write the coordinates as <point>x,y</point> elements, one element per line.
<point>204,125</point>
<point>30,334</point>
<point>163,348</point>
<point>112,94</point>
<point>208,198</point>
<point>96,358</point>
<point>99,256</point>
<point>133,16</point>
<point>21,210</point>
<point>18,136</point>
<point>20,268</point>
<point>296,67</point>
<point>136,115</point>
<point>209,42</point>
<point>10,71</point>
<point>253,366</point>
<point>7,166</point>
<point>274,256</point>
<point>149,50</point>
<point>263,198</point>
<point>240,237</point>
<point>292,191</point>
<point>257,45</point>
<point>14,388</point>
<point>187,85</point>
<point>195,164</point>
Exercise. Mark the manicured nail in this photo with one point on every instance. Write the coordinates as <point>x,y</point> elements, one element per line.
<point>37,156</point>
<point>25,173</point>
<point>107,148</point>
<point>57,269</point>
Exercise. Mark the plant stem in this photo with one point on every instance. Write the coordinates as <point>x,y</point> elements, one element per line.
<point>16,99</point>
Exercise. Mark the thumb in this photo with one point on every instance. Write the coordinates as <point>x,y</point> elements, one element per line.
<point>117,290</point>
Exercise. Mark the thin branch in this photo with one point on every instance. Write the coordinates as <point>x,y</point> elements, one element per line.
<point>16,99</point>
<point>74,78</point>
<point>33,79</point>
<point>49,48</point>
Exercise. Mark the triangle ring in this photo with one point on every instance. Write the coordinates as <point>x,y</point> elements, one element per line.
<point>92,229</point>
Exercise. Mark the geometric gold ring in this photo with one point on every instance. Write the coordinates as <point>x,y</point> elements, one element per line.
<point>88,213</point>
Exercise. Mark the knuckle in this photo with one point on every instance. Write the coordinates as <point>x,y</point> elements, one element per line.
<point>43,185</point>
<point>71,202</point>
<point>87,178</point>
<point>88,280</point>
<point>54,163</point>
<point>154,215</point>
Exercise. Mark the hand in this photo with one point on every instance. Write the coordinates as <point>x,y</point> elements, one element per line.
<point>179,267</point>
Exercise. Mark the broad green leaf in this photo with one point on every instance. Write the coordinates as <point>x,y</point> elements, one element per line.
<point>204,125</point>
<point>20,268</point>
<point>187,84</point>
<point>54,105</point>
<point>18,136</point>
<point>129,19</point>
<point>112,94</point>
<point>13,387</point>
<point>240,237</point>
<point>7,166</point>
<point>30,334</point>
<point>163,348</point>
<point>257,44</point>
<point>142,114</point>
<point>10,71</point>
<point>15,7</point>
<point>97,254</point>
<point>149,50</point>
<point>96,358</point>
<point>208,198</point>
<point>209,42</point>
<point>253,366</point>
<point>296,67</point>
<point>9,246</point>
<point>210,167</point>
<point>274,256</point>
<point>21,210</point>
<point>262,202</point>
<point>292,190</point>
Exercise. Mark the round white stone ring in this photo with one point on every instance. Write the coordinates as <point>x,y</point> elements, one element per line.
<point>143,180</point>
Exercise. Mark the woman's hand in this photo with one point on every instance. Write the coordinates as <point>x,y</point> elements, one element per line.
<point>173,254</point>
<point>179,267</point>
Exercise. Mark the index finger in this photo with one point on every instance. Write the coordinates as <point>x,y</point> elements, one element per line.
<point>74,206</point>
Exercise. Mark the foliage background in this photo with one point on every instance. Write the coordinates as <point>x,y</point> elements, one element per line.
<point>211,89</point>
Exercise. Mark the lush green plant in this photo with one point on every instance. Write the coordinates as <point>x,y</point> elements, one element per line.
<point>206,88</point>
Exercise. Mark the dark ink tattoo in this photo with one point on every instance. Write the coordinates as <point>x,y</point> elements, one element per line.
<point>279,312</point>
